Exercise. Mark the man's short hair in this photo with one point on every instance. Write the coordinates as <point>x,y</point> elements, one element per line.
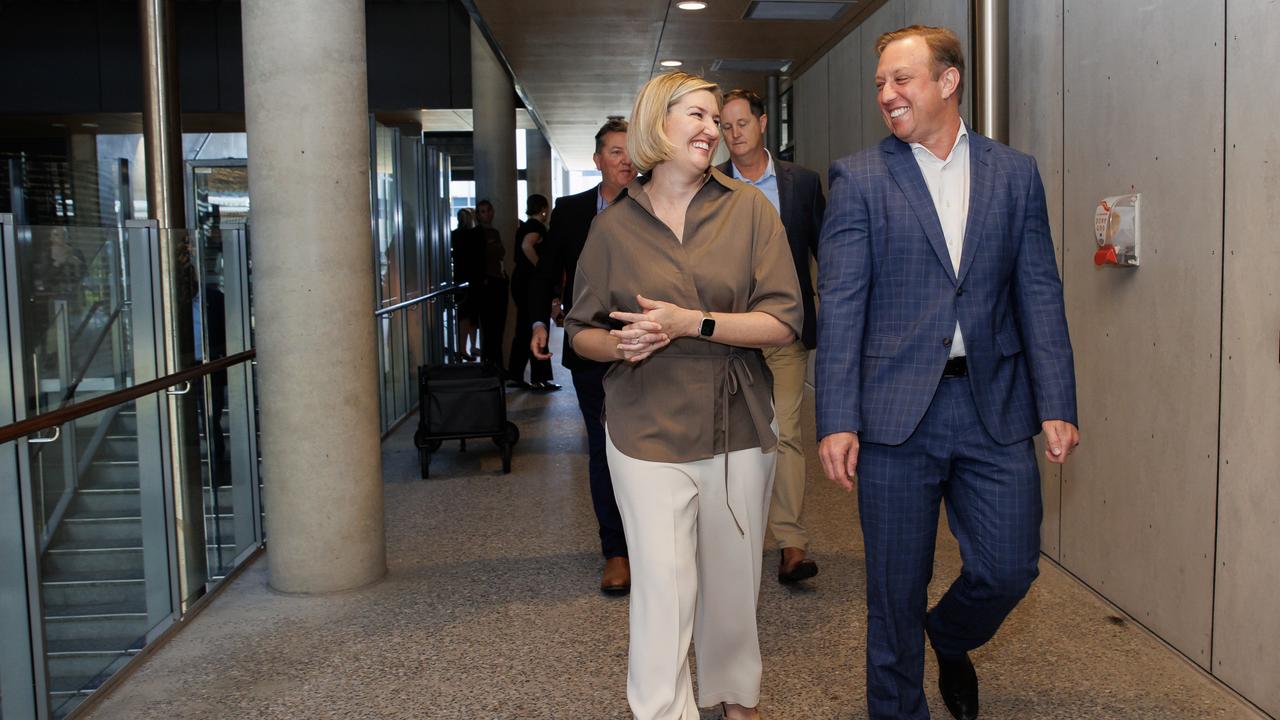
<point>943,44</point>
<point>647,144</point>
<point>484,202</point>
<point>535,205</point>
<point>612,125</point>
<point>753,99</point>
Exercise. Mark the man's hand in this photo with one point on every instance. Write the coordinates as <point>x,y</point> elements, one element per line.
<point>839,453</point>
<point>1060,438</point>
<point>538,345</point>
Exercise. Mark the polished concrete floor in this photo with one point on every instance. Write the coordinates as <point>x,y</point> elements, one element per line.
<point>490,610</point>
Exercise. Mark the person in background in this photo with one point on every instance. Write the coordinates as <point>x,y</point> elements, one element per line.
<point>796,193</point>
<point>468,267</point>
<point>493,285</point>
<point>529,236</point>
<point>557,265</point>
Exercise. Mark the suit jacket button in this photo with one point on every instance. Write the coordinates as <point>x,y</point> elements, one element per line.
<point>946,342</point>
<point>959,291</point>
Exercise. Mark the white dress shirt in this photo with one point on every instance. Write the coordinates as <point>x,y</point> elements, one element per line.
<point>948,182</point>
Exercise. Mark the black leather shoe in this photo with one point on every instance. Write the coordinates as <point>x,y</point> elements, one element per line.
<point>793,566</point>
<point>544,386</point>
<point>958,684</point>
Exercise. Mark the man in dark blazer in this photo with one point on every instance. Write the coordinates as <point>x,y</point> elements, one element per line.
<point>942,350</point>
<point>796,193</point>
<point>557,263</point>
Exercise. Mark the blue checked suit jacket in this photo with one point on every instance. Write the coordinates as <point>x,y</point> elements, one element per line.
<point>889,297</point>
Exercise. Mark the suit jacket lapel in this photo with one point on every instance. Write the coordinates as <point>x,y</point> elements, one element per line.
<point>981,184</point>
<point>785,188</point>
<point>905,171</point>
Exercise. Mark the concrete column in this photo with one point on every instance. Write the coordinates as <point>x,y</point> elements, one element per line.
<point>773,108</point>
<point>538,170</point>
<point>307,117</point>
<point>494,136</point>
<point>494,150</point>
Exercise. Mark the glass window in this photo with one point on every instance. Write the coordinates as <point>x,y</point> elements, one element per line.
<point>462,194</point>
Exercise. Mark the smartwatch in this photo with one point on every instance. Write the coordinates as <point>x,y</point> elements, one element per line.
<point>708,326</point>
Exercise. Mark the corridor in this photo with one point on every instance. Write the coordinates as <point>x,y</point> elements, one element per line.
<point>490,610</point>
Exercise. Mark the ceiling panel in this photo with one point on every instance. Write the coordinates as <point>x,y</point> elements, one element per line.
<point>579,61</point>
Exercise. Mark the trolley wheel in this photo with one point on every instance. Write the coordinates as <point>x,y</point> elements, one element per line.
<point>432,445</point>
<point>510,435</point>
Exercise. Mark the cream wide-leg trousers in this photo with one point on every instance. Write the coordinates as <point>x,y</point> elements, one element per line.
<point>694,575</point>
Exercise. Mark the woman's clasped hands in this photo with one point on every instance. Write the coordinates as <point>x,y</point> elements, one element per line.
<point>648,332</point>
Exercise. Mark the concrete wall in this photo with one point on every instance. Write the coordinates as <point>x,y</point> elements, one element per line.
<point>1171,509</point>
<point>1246,626</point>
<point>834,99</point>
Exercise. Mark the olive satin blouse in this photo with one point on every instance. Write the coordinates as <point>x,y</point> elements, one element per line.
<point>681,403</point>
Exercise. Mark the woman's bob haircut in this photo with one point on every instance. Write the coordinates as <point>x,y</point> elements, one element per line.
<point>647,144</point>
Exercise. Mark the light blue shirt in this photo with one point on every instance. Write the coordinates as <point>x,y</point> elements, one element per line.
<point>768,182</point>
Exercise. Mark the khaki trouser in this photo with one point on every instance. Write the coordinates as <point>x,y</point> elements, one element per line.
<point>788,364</point>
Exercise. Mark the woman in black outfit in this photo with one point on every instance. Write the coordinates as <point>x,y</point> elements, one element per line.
<point>529,235</point>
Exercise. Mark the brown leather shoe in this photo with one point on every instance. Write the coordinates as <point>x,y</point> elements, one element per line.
<point>794,566</point>
<point>617,576</point>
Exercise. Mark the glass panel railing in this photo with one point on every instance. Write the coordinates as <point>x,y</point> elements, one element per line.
<point>104,574</point>
<point>74,341</point>
<point>105,535</point>
<point>228,425</point>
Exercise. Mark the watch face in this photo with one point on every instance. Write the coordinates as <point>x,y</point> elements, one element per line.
<point>708,327</point>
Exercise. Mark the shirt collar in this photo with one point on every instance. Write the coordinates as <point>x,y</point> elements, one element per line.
<point>768,170</point>
<point>713,179</point>
<point>961,134</point>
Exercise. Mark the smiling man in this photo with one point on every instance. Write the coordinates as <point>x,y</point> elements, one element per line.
<point>796,193</point>
<point>942,350</point>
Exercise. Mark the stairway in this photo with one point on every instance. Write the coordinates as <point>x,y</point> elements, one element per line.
<point>92,576</point>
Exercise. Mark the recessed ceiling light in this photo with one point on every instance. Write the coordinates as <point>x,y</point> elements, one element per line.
<point>691,5</point>
<point>671,63</point>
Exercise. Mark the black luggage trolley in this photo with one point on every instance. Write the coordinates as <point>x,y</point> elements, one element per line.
<point>461,401</point>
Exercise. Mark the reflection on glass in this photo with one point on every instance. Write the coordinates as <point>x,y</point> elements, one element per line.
<point>228,442</point>
<point>74,342</point>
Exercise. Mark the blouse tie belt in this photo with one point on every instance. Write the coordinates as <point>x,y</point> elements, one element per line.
<point>737,374</point>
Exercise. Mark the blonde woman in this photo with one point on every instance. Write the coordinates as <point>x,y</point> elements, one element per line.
<point>681,282</point>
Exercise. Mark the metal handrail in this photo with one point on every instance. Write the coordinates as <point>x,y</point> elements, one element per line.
<point>63,415</point>
<point>421,299</point>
